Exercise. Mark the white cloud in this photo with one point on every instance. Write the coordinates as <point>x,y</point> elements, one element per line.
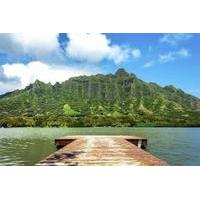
<point>136,53</point>
<point>118,54</point>
<point>28,43</point>
<point>149,64</point>
<point>89,47</point>
<point>94,47</point>
<point>173,55</point>
<point>166,57</point>
<point>8,86</point>
<point>28,73</point>
<point>183,53</point>
<point>175,38</point>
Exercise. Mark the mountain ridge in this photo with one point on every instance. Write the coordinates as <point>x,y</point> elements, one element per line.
<point>120,99</point>
<point>60,83</point>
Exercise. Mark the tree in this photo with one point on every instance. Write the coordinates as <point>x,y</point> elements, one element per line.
<point>116,114</point>
<point>68,111</point>
<point>101,110</point>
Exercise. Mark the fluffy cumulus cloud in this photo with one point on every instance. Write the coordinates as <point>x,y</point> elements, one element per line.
<point>173,55</point>
<point>94,47</point>
<point>28,73</point>
<point>35,44</point>
<point>136,53</point>
<point>85,47</point>
<point>89,47</point>
<point>175,38</point>
<point>7,83</point>
<point>118,54</point>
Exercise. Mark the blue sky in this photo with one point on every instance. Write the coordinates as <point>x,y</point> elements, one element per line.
<point>167,59</point>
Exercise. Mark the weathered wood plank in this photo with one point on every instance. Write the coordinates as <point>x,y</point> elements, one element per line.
<point>138,141</point>
<point>101,150</point>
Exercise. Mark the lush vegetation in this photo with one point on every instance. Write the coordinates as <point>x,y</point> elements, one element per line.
<point>99,100</point>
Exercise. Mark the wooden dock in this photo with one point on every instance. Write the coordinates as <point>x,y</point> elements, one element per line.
<point>101,150</point>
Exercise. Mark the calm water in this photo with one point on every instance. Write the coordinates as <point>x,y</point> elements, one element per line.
<point>26,146</point>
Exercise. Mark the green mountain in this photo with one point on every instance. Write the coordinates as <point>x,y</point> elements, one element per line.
<point>119,99</point>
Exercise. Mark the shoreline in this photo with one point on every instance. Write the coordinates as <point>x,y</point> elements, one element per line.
<point>103,127</point>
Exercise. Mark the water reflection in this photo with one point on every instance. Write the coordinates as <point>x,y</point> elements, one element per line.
<point>26,146</point>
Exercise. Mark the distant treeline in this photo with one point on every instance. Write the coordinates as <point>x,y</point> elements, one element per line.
<point>95,121</point>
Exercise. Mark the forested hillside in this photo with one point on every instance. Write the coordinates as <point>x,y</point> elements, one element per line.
<point>119,99</point>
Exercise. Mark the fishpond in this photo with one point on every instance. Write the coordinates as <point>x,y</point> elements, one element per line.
<point>27,146</point>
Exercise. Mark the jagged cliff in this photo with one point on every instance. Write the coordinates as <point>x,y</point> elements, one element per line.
<point>113,96</point>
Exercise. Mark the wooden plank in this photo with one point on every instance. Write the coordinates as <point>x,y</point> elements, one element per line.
<point>100,150</point>
<point>61,142</point>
